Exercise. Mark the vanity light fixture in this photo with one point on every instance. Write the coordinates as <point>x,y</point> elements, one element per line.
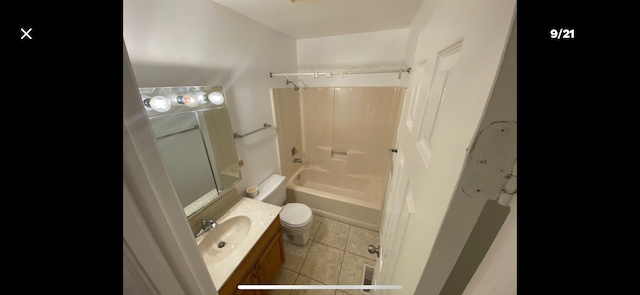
<point>156,103</point>
<point>193,97</point>
<point>216,98</point>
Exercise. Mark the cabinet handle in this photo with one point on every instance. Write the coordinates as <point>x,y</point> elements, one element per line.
<point>259,267</point>
<point>255,276</point>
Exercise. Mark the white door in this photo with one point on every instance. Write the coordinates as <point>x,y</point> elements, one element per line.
<point>457,58</point>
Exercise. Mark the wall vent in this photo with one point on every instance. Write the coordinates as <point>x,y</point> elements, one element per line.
<point>367,277</point>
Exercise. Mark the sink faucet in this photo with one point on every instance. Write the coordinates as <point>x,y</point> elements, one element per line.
<point>207,224</point>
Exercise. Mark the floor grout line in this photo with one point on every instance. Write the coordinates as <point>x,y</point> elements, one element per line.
<point>307,255</point>
<point>342,260</point>
<point>343,255</point>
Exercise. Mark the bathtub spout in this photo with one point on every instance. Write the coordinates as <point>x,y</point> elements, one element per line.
<point>296,160</point>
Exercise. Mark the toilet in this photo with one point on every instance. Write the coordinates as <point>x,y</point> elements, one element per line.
<point>295,218</point>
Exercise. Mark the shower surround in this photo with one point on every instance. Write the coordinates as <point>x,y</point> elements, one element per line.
<point>343,136</point>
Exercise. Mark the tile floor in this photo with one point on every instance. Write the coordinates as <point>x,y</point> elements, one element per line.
<point>335,255</point>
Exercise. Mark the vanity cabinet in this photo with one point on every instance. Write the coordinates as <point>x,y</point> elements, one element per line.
<point>262,264</point>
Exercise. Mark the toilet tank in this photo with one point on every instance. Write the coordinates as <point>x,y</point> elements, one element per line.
<point>273,190</point>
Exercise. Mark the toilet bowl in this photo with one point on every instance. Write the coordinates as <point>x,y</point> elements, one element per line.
<point>295,218</point>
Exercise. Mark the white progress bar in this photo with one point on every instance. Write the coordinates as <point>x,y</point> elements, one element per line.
<point>317,287</point>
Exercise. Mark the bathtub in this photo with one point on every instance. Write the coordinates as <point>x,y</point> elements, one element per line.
<point>353,199</point>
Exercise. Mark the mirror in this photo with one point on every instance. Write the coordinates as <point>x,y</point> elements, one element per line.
<point>193,132</point>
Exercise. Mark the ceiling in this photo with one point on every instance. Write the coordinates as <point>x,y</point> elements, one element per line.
<point>320,18</point>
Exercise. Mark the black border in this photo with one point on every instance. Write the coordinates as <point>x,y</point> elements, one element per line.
<point>562,123</point>
<point>62,81</point>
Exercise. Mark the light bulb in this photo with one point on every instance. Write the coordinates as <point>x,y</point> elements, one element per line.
<point>216,98</point>
<point>190,100</point>
<point>158,103</point>
<point>174,98</point>
<point>145,102</point>
<point>202,97</point>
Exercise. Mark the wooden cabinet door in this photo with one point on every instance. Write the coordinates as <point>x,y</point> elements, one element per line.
<point>271,261</point>
<point>250,279</point>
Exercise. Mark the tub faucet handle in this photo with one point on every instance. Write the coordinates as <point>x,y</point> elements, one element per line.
<point>293,151</point>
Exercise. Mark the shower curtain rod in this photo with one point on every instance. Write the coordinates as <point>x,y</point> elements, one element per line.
<point>342,73</point>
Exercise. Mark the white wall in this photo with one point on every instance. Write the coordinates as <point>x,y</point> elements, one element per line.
<point>498,271</point>
<point>195,42</point>
<point>363,51</point>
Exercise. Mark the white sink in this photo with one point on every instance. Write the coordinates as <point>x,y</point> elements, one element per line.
<point>239,228</point>
<point>224,240</point>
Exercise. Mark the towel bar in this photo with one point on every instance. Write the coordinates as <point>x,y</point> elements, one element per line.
<point>265,126</point>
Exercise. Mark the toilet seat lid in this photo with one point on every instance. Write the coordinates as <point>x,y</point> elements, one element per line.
<point>296,214</point>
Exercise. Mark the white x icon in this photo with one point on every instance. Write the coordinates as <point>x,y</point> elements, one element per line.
<point>25,33</point>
